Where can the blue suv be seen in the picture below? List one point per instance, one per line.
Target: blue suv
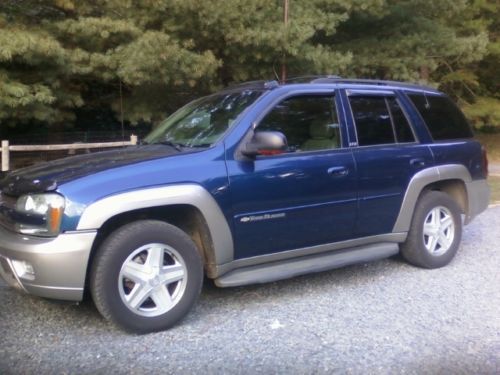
(256, 183)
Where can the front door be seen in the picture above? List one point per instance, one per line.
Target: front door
(303, 197)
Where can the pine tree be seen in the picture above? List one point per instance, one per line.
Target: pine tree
(153, 55)
(55, 55)
(450, 44)
(474, 82)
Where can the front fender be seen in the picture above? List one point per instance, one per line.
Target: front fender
(97, 213)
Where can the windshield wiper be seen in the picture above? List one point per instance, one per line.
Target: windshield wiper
(177, 146)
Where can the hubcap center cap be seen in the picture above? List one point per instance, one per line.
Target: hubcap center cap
(155, 281)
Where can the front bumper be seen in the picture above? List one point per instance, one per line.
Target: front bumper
(59, 264)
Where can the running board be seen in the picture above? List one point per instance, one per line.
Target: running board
(268, 272)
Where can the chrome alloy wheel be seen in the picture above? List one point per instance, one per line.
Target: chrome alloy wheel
(152, 279)
(439, 231)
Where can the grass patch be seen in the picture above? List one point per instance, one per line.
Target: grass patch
(492, 144)
(494, 182)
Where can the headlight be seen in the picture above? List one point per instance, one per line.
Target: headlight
(42, 214)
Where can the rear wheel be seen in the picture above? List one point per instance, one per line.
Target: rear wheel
(435, 231)
(146, 276)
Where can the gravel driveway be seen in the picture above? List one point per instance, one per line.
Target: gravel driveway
(378, 318)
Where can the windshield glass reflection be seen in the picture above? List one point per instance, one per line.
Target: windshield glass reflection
(203, 122)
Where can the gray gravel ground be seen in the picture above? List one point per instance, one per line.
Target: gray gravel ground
(383, 317)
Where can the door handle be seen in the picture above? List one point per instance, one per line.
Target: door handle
(417, 162)
(338, 171)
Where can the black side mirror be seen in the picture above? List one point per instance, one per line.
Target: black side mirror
(266, 143)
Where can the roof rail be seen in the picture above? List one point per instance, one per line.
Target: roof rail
(261, 84)
(310, 78)
(269, 85)
(373, 82)
(350, 80)
(337, 79)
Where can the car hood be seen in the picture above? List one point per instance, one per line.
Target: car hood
(48, 176)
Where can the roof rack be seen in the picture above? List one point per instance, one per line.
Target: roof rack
(269, 85)
(333, 79)
(310, 78)
(337, 79)
(260, 84)
(376, 82)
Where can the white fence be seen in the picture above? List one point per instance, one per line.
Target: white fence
(6, 148)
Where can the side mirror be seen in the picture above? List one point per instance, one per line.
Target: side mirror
(266, 143)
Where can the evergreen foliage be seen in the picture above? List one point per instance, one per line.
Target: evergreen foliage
(60, 55)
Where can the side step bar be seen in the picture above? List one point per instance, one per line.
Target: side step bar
(285, 269)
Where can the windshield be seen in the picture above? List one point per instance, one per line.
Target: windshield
(203, 122)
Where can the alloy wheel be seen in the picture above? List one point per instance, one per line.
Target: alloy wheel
(439, 231)
(152, 279)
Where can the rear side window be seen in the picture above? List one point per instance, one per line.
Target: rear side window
(379, 120)
(443, 118)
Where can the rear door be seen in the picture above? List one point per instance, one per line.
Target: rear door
(387, 154)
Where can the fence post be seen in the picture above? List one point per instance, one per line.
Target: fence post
(133, 139)
(5, 156)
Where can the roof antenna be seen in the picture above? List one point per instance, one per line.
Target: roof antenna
(276, 75)
(427, 104)
(121, 112)
(284, 72)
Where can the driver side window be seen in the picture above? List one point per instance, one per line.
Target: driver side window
(309, 122)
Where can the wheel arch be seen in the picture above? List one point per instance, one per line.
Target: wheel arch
(451, 179)
(189, 207)
(185, 217)
(455, 188)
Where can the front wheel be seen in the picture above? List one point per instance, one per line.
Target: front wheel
(435, 232)
(146, 276)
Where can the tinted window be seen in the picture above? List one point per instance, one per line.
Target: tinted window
(401, 125)
(444, 120)
(308, 122)
(373, 122)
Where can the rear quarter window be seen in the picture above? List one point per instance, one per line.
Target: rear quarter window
(442, 117)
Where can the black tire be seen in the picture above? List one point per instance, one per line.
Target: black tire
(109, 286)
(432, 204)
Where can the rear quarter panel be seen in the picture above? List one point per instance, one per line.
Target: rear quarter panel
(466, 152)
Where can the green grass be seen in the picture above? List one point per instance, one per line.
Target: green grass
(494, 182)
